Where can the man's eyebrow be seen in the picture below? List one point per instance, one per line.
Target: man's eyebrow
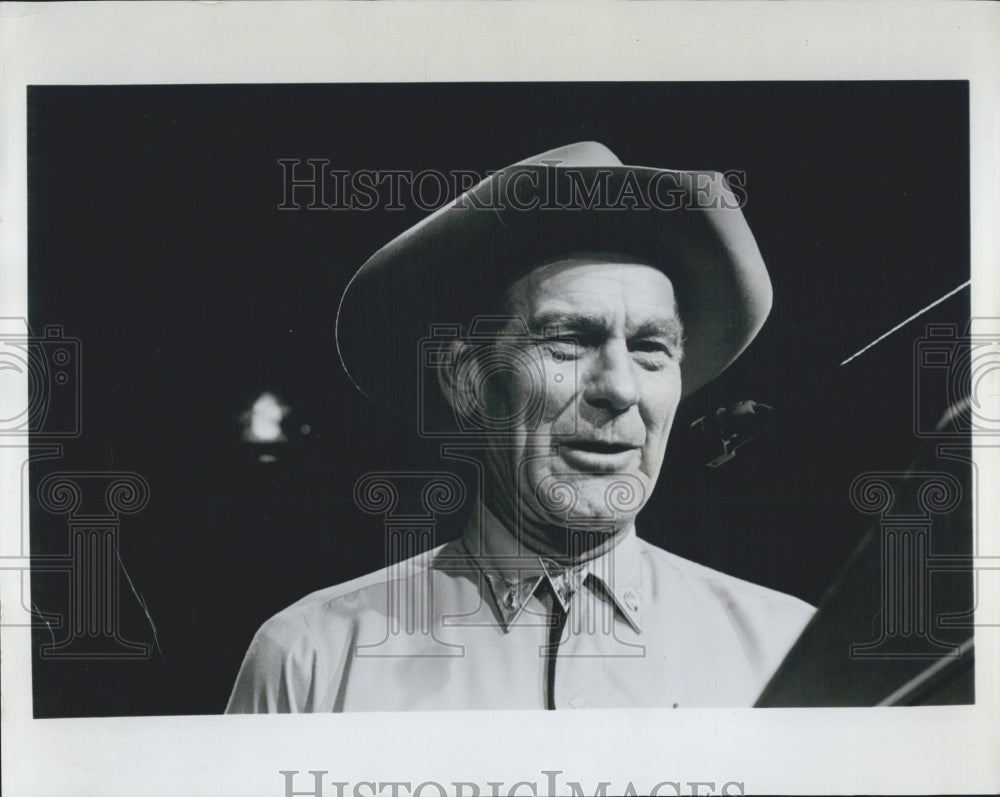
(670, 328)
(560, 322)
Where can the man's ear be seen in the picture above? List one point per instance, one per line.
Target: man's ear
(460, 378)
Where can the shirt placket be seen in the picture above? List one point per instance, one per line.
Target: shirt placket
(562, 587)
(594, 633)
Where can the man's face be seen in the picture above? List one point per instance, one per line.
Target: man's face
(606, 340)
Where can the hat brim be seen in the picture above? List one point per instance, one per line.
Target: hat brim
(459, 260)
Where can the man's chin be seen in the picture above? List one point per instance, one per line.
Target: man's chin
(604, 497)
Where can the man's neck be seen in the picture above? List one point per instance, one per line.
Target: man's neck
(567, 543)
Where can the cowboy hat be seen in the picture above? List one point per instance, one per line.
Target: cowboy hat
(580, 198)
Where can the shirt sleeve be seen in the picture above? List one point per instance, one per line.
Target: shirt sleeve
(766, 622)
(279, 673)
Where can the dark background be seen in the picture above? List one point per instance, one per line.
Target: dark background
(156, 240)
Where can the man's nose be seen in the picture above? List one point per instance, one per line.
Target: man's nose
(611, 383)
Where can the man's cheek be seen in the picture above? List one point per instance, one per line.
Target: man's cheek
(561, 407)
(526, 402)
(533, 478)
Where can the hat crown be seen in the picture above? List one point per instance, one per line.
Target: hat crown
(450, 264)
(580, 154)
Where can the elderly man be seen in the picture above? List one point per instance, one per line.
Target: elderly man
(600, 295)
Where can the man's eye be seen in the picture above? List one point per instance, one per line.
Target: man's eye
(656, 348)
(560, 348)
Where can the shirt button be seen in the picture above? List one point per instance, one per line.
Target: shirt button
(577, 702)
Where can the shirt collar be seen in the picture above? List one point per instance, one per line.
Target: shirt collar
(514, 572)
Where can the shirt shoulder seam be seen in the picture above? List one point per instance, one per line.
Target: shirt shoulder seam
(347, 589)
(699, 572)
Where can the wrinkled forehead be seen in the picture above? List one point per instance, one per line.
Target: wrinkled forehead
(593, 282)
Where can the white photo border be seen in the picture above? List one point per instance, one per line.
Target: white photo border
(907, 750)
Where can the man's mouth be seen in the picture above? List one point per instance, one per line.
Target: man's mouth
(599, 456)
(599, 446)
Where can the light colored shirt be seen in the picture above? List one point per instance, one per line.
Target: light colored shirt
(480, 623)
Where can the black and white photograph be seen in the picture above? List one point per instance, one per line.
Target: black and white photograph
(499, 402)
(492, 433)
